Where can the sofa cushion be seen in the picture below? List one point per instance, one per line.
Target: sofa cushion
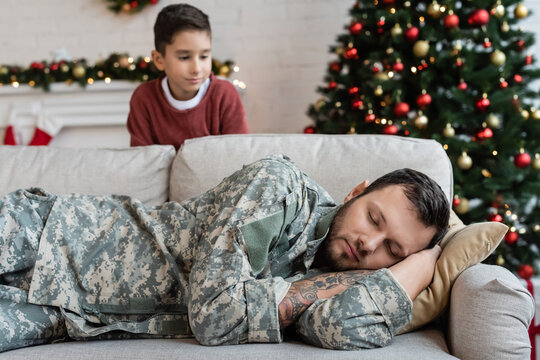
(337, 162)
(462, 247)
(424, 344)
(141, 172)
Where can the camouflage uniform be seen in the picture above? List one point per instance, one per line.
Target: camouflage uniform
(215, 266)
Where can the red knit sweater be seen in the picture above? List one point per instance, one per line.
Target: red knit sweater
(152, 120)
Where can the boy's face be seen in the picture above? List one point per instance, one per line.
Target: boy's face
(187, 62)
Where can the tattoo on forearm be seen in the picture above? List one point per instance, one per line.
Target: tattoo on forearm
(305, 292)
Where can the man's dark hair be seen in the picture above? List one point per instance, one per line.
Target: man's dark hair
(175, 18)
(424, 193)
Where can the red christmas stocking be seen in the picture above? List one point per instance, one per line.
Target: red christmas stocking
(9, 137)
(46, 129)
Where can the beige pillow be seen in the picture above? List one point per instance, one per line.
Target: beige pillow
(462, 247)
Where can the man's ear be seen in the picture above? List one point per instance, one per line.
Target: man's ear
(358, 189)
(158, 60)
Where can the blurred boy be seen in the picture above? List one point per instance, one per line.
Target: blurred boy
(188, 100)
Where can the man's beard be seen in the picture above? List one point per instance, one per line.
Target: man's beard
(327, 256)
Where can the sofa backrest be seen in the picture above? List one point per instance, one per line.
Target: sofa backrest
(141, 172)
(337, 162)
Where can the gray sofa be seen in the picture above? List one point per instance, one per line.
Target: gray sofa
(489, 311)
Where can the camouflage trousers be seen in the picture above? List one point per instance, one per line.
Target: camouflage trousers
(21, 323)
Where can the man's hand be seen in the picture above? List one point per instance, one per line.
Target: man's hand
(305, 292)
(415, 272)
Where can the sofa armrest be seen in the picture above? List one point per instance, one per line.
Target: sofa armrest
(489, 315)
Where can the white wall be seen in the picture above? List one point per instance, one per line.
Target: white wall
(281, 46)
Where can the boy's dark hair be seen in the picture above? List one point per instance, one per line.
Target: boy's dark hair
(178, 17)
(424, 193)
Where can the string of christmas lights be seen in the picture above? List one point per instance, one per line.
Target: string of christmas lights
(115, 67)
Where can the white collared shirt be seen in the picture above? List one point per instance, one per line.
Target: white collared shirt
(187, 104)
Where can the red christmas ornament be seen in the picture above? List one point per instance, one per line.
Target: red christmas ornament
(358, 104)
(134, 4)
(459, 62)
(520, 45)
(375, 69)
(335, 66)
(355, 28)
(518, 78)
(423, 101)
(351, 53)
(353, 90)
(398, 66)
(525, 271)
(511, 237)
(462, 86)
(309, 130)
(411, 33)
(456, 202)
(390, 130)
(479, 18)
(388, 2)
(503, 84)
(487, 43)
(370, 118)
(528, 60)
(484, 133)
(522, 160)
(54, 67)
(482, 104)
(495, 217)
(154, 2)
(451, 21)
(332, 85)
(401, 109)
(143, 64)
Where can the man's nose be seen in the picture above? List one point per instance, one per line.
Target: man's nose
(372, 242)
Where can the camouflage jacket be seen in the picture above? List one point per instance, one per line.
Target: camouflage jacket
(214, 266)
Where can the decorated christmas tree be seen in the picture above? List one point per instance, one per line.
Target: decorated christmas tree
(457, 71)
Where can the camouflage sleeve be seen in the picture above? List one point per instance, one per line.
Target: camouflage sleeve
(367, 315)
(232, 295)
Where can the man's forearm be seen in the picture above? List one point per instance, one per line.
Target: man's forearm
(305, 292)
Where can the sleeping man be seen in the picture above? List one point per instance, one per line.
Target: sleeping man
(265, 249)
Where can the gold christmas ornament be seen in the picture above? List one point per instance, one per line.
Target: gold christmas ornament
(421, 48)
(224, 70)
(123, 61)
(396, 30)
(462, 207)
(521, 11)
(493, 121)
(319, 104)
(449, 131)
(464, 161)
(434, 10)
(64, 68)
(536, 162)
(500, 260)
(497, 58)
(421, 121)
(126, 8)
(535, 114)
(505, 27)
(378, 90)
(498, 10)
(525, 114)
(79, 71)
(382, 75)
(339, 50)
(4, 70)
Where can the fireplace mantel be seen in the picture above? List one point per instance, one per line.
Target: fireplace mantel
(98, 108)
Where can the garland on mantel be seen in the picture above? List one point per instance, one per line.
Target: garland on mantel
(129, 6)
(115, 67)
